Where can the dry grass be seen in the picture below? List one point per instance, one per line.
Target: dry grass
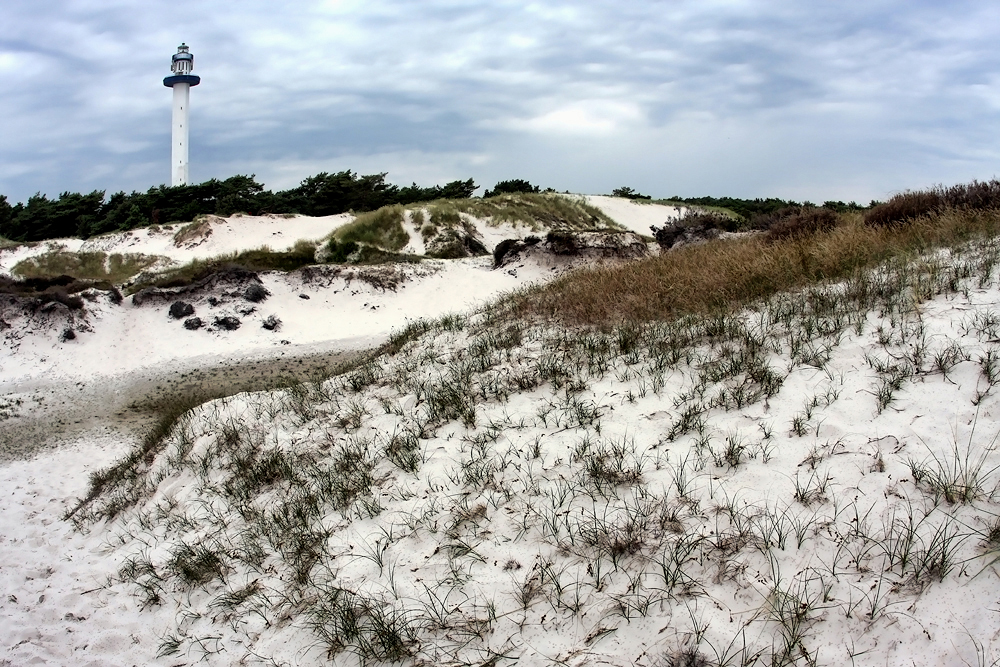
(729, 274)
(974, 196)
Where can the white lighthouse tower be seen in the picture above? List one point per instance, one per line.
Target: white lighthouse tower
(181, 81)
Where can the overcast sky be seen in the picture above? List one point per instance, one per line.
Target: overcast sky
(826, 99)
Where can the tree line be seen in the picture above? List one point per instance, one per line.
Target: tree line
(75, 214)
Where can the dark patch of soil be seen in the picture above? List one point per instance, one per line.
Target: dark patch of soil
(585, 245)
(181, 309)
(231, 276)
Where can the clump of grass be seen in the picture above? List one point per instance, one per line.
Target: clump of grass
(200, 227)
(196, 564)
(382, 228)
(344, 620)
(958, 477)
(115, 268)
(340, 251)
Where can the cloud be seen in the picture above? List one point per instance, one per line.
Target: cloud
(753, 97)
(583, 118)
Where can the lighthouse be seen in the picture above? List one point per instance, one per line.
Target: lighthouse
(181, 81)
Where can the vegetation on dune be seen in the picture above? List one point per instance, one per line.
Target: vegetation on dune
(513, 186)
(535, 210)
(382, 228)
(729, 274)
(905, 206)
(745, 210)
(114, 268)
(258, 259)
(61, 289)
(73, 214)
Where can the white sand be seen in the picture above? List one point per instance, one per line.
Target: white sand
(635, 216)
(227, 235)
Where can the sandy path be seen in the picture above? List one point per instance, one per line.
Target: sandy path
(45, 414)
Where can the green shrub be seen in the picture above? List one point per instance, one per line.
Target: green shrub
(692, 227)
(628, 193)
(512, 186)
(340, 250)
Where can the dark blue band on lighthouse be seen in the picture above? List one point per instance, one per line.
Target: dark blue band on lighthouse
(172, 81)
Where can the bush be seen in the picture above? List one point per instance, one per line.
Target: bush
(562, 242)
(692, 227)
(977, 196)
(502, 249)
(455, 243)
(85, 215)
(181, 309)
(61, 295)
(511, 187)
(795, 221)
(255, 293)
(743, 209)
(628, 193)
(340, 251)
(905, 206)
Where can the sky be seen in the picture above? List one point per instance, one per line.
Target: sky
(814, 100)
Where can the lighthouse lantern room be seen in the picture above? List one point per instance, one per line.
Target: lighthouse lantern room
(181, 81)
